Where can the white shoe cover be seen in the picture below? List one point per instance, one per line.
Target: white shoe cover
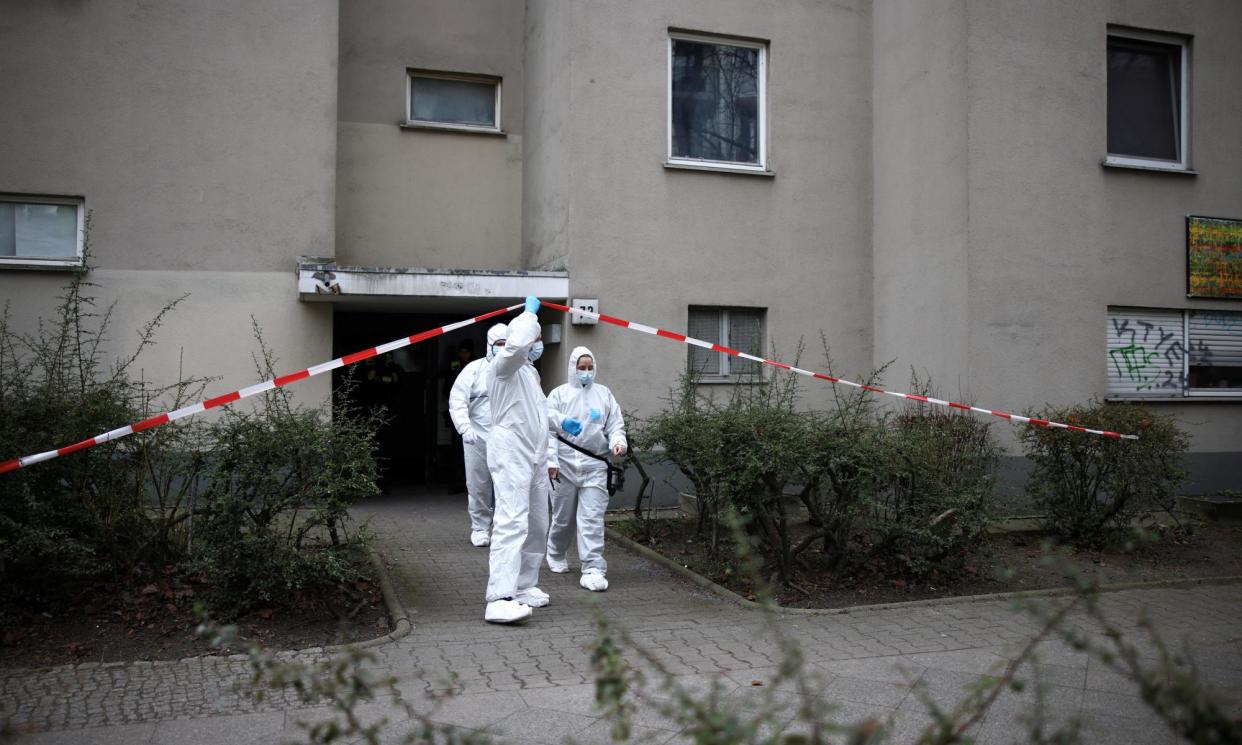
(559, 566)
(506, 611)
(593, 580)
(480, 538)
(532, 596)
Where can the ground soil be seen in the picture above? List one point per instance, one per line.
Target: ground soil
(1005, 562)
(152, 618)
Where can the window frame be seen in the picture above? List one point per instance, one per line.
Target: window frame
(41, 262)
(495, 81)
(762, 137)
(724, 374)
(1183, 120)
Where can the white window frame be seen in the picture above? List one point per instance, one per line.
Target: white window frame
(725, 361)
(38, 262)
(1183, 124)
(412, 73)
(724, 165)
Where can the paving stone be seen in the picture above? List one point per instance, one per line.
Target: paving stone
(600, 733)
(814, 676)
(540, 725)
(577, 699)
(1097, 704)
(861, 691)
(886, 669)
(945, 687)
(219, 729)
(1015, 708)
(978, 661)
(1107, 730)
(122, 735)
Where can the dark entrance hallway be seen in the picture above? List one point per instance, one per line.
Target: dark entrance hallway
(417, 444)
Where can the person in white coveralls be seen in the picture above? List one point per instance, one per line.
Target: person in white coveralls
(471, 414)
(579, 494)
(517, 457)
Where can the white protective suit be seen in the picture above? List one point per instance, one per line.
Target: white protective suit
(581, 496)
(470, 411)
(517, 458)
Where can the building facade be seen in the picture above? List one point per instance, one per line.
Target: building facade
(995, 194)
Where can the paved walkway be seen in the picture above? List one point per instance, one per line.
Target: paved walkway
(532, 684)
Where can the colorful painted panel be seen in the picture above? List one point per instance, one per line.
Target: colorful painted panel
(1214, 257)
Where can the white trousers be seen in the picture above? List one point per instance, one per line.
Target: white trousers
(519, 524)
(479, 498)
(583, 507)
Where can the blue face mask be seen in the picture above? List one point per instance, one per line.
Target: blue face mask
(585, 377)
(536, 351)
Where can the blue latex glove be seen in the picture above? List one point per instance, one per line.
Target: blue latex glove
(532, 304)
(572, 426)
(596, 415)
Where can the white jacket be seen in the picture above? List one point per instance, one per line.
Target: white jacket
(520, 417)
(603, 426)
(468, 402)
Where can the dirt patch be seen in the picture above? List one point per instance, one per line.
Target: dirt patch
(1006, 562)
(153, 619)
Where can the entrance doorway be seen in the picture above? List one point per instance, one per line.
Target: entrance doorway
(417, 443)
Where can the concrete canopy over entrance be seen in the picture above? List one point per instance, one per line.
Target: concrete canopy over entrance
(413, 289)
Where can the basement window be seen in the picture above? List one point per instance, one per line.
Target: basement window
(454, 101)
(41, 232)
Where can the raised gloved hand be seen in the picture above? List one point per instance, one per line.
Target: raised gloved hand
(532, 304)
(469, 437)
(571, 425)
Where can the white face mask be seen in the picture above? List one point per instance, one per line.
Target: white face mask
(585, 377)
(536, 351)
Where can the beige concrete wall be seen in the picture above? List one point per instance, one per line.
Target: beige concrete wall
(208, 335)
(427, 198)
(202, 135)
(1054, 237)
(649, 241)
(546, 169)
(921, 260)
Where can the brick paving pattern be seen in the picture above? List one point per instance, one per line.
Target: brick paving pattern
(532, 683)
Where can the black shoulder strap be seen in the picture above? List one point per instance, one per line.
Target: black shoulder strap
(583, 450)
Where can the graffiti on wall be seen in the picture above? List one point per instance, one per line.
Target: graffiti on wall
(1147, 353)
(1213, 257)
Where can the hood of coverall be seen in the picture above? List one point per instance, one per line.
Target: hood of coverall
(578, 352)
(494, 334)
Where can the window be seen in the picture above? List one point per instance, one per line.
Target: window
(717, 102)
(453, 101)
(41, 231)
(1148, 77)
(1173, 353)
(736, 328)
(1215, 362)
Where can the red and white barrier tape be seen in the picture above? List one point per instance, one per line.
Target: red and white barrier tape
(820, 376)
(267, 385)
(349, 359)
